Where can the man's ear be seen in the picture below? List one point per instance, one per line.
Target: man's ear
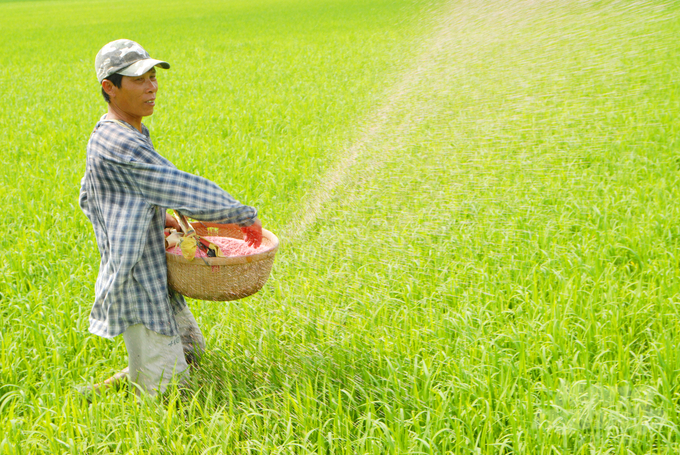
(108, 87)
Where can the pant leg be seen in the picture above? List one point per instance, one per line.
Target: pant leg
(154, 360)
(193, 342)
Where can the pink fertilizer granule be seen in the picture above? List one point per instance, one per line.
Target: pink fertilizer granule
(230, 247)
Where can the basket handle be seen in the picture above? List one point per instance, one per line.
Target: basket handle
(183, 223)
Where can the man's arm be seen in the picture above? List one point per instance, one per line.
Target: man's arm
(192, 195)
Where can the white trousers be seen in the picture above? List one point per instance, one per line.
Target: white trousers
(155, 360)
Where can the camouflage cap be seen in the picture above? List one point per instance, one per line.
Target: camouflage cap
(124, 57)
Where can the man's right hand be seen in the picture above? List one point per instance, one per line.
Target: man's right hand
(253, 234)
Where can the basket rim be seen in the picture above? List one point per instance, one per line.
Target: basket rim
(233, 259)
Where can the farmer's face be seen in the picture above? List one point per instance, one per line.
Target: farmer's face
(136, 96)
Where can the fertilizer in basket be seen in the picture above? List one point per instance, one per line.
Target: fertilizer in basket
(230, 247)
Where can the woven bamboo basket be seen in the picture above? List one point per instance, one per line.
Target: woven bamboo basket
(221, 279)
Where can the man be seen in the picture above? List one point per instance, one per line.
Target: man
(125, 192)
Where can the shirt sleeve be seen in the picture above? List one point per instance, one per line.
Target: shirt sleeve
(192, 195)
(82, 199)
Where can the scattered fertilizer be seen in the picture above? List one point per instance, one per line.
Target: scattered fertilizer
(230, 247)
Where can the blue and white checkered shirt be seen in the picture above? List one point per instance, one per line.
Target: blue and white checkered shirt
(126, 188)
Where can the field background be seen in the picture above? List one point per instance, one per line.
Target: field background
(478, 208)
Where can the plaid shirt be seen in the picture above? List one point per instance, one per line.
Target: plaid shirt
(124, 193)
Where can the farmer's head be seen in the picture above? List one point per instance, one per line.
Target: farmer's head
(127, 75)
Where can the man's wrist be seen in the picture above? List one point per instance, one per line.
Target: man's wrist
(249, 222)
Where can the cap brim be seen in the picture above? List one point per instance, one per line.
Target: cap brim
(141, 67)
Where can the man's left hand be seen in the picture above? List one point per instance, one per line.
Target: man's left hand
(171, 222)
(253, 234)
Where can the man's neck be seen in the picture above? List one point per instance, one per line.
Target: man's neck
(117, 114)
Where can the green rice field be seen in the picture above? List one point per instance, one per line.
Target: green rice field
(478, 203)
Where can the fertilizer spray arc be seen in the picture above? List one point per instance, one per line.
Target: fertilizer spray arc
(385, 130)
